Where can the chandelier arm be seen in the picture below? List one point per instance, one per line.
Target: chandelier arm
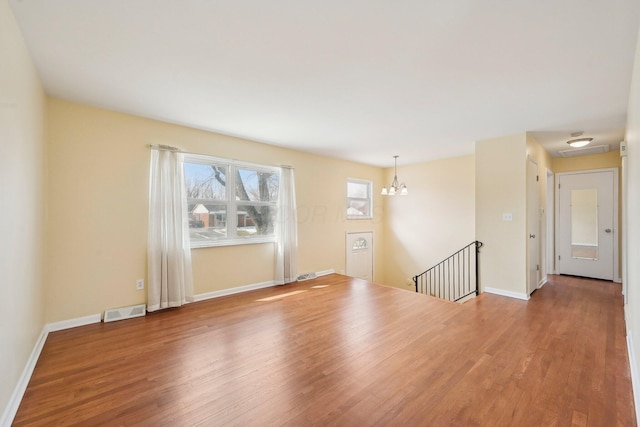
(395, 185)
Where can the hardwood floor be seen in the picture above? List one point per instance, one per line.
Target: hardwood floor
(340, 351)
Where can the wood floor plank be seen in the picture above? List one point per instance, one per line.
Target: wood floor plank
(341, 351)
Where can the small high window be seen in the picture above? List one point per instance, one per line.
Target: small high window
(359, 200)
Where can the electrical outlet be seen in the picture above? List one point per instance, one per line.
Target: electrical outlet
(140, 284)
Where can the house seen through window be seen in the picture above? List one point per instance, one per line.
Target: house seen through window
(230, 202)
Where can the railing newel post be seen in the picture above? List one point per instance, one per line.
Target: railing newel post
(477, 245)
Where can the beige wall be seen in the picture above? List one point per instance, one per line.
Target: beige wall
(436, 219)
(632, 206)
(501, 188)
(98, 196)
(592, 161)
(22, 205)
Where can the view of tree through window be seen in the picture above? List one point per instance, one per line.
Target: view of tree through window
(229, 201)
(254, 186)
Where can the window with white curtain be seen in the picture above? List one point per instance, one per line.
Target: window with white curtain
(230, 202)
(359, 200)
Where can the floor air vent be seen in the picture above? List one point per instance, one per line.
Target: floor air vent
(124, 313)
(306, 276)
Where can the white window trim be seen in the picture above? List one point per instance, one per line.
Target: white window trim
(368, 199)
(232, 238)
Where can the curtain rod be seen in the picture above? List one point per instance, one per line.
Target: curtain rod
(165, 148)
(178, 150)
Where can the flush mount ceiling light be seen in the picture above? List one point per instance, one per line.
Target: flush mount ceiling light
(395, 187)
(580, 142)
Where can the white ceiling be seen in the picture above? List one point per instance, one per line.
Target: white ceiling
(355, 79)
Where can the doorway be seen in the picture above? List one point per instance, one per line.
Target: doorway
(587, 219)
(360, 255)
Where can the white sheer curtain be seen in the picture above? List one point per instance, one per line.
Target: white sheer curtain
(170, 281)
(286, 230)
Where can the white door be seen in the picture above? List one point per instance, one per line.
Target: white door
(360, 255)
(586, 224)
(533, 226)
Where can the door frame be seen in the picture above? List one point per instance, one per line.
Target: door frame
(550, 259)
(616, 232)
(533, 185)
(373, 254)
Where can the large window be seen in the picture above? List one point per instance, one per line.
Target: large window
(230, 202)
(359, 200)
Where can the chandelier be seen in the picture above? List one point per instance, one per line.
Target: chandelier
(395, 187)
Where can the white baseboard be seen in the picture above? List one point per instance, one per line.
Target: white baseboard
(325, 272)
(16, 397)
(246, 288)
(72, 323)
(231, 291)
(509, 294)
(542, 282)
(635, 384)
(18, 392)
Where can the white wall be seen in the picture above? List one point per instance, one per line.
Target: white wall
(632, 205)
(22, 204)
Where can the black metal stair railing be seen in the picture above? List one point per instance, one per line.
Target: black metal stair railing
(454, 278)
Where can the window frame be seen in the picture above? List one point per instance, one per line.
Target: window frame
(231, 203)
(368, 199)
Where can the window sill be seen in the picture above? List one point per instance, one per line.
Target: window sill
(232, 242)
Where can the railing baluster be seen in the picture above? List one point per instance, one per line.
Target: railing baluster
(447, 282)
(478, 245)
(461, 286)
(452, 277)
(461, 275)
(469, 271)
